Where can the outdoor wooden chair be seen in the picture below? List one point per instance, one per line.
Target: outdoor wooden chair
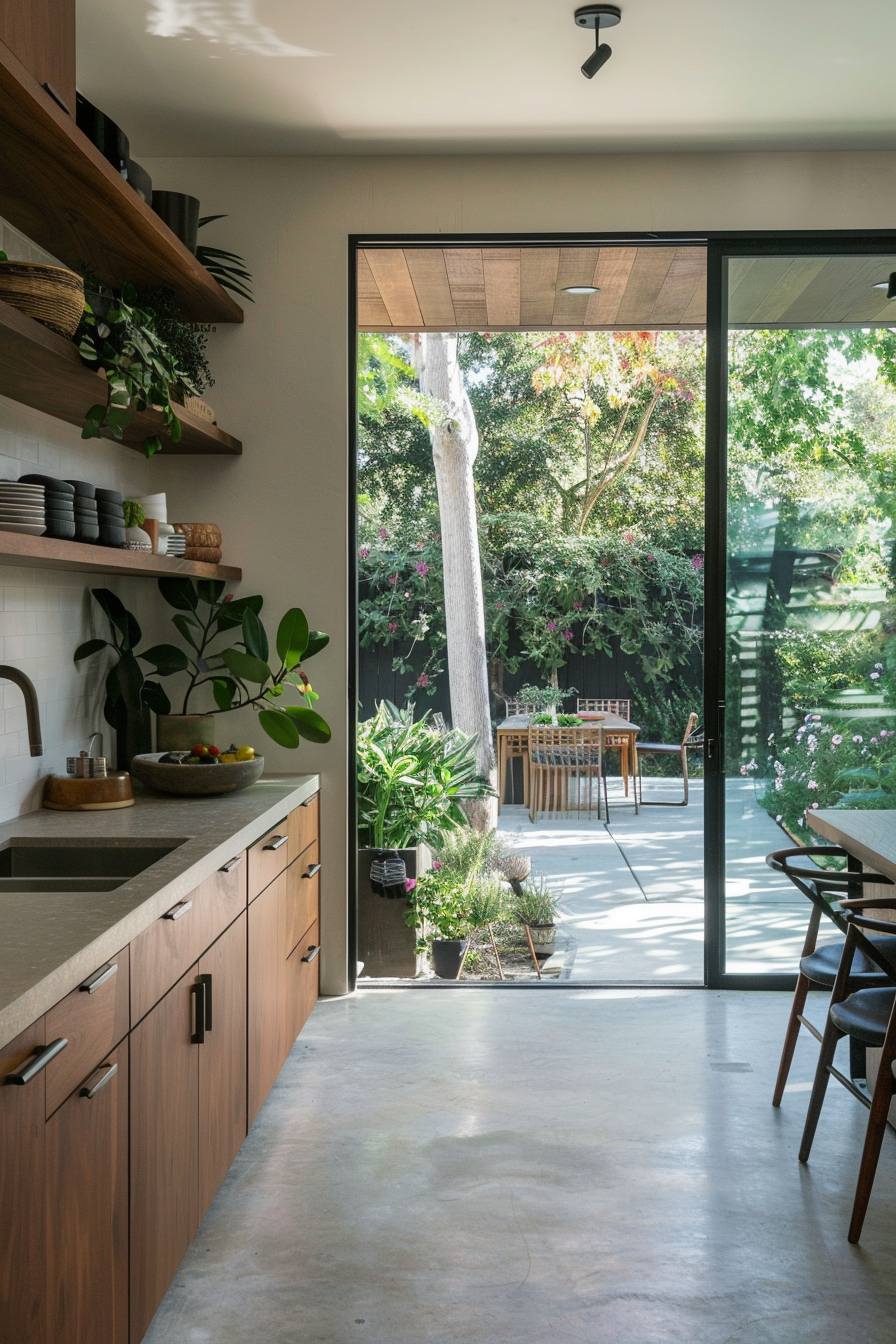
(620, 742)
(513, 746)
(819, 965)
(513, 707)
(564, 765)
(691, 741)
(868, 1016)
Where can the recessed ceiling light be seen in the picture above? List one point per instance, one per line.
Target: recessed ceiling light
(581, 289)
(888, 285)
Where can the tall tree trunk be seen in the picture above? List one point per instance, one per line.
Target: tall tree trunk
(455, 443)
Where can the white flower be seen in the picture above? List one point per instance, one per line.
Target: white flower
(811, 784)
(875, 676)
(858, 739)
(836, 740)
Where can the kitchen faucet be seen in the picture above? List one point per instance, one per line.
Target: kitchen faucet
(26, 685)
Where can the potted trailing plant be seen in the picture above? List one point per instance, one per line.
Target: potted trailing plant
(412, 779)
(240, 672)
(139, 368)
(130, 698)
(458, 895)
(228, 268)
(535, 906)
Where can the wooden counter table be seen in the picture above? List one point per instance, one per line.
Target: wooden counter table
(869, 836)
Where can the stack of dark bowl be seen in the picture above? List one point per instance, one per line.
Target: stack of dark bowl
(87, 526)
(110, 515)
(59, 505)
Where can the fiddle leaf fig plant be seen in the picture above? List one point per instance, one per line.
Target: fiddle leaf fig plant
(240, 672)
(140, 370)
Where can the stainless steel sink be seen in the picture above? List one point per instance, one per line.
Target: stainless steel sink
(76, 865)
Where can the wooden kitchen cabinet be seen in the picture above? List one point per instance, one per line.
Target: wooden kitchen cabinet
(86, 1206)
(302, 895)
(222, 1060)
(164, 1148)
(22, 1171)
(267, 858)
(41, 33)
(268, 1047)
(188, 1113)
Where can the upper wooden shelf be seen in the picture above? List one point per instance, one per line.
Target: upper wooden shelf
(59, 190)
(44, 370)
(48, 553)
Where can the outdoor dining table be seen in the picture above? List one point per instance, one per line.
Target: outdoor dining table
(513, 741)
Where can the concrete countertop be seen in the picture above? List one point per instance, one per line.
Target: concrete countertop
(51, 942)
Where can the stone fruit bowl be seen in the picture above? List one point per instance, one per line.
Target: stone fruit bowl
(195, 781)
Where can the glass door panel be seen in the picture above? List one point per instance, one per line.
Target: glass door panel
(811, 489)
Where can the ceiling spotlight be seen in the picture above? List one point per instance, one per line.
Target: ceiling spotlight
(888, 285)
(581, 289)
(597, 17)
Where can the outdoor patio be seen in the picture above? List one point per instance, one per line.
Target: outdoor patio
(631, 892)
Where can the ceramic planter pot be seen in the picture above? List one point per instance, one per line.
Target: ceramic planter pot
(543, 937)
(386, 944)
(181, 213)
(180, 732)
(448, 957)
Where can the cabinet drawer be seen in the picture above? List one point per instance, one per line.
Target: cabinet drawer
(302, 895)
(302, 826)
(267, 859)
(93, 1018)
(163, 952)
(303, 982)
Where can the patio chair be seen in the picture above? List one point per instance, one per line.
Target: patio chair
(691, 741)
(513, 707)
(513, 746)
(558, 758)
(620, 743)
(868, 1016)
(819, 965)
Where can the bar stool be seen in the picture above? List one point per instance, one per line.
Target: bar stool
(819, 965)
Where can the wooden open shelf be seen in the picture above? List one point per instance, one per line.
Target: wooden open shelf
(44, 370)
(59, 190)
(47, 553)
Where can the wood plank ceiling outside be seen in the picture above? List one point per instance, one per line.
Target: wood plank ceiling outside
(640, 288)
(522, 288)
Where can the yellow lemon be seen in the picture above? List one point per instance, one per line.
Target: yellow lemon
(245, 753)
(228, 758)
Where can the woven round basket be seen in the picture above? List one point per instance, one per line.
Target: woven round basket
(50, 294)
(199, 407)
(206, 535)
(209, 555)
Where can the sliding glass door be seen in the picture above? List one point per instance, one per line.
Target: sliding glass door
(801, 491)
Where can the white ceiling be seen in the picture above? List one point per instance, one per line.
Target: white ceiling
(318, 76)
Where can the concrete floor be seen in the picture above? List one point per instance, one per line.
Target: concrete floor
(525, 1166)
(632, 890)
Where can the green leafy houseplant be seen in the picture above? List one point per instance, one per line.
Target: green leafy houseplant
(241, 673)
(129, 696)
(228, 268)
(412, 778)
(185, 341)
(534, 904)
(140, 370)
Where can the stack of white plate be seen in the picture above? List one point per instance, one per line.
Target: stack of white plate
(177, 544)
(22, 508)
(155, 506)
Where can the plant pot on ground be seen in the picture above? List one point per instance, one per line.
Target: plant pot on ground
(412, 777)
(535, 906)
(448, 957)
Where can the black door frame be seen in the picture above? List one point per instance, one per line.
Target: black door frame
(720, 246)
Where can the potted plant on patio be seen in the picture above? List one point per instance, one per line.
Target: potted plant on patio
(536, 906)
(459, 894)
(412, 780)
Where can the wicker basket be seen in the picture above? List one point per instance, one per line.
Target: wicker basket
(206, 535)
(196, 406)
(209, 555)
(50, 294)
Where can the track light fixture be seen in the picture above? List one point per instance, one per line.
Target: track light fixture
(581, 289)
(597, 17)
(888, 285)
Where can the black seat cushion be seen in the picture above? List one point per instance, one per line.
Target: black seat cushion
(821, 965)
(865, 1014)
(667, 747)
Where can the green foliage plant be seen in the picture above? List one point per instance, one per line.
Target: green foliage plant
(129, 695)
(241, 673)
(460, 892)
(535, 904)
(134, 513)
(412, 779)
(185, 341)
(228, 268)
(140, 370)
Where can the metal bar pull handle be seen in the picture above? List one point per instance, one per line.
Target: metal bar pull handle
(36, 1065)
(99, 978)
(104, 1074)
(179, 910)
(197, 995)
(231, 864)
(312, 952)
(312, 871)
(276, 841)
(206, 980)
